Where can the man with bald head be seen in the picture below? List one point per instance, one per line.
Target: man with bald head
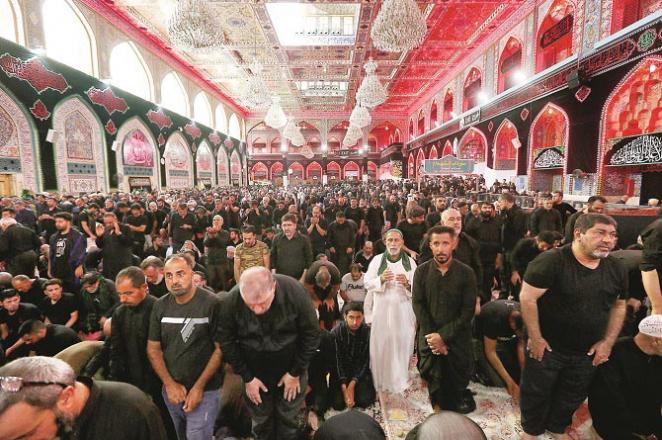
(269, 333)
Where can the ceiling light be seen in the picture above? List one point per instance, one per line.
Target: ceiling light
(453, 115)
(519, 76)
(360, 116)
(372, 92)
(256, 94)
(325, 147)
(652, 68)
(482, 97)
(399, 26)
(275, 117)
(193, 26)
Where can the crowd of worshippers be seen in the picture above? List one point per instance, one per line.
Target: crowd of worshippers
(252, 312)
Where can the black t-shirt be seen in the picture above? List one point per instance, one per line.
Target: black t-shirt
(137, 221)
(158, 290)
(413, 234)
(493, 319)
(187, 333)
(60, 312)
(58, 337)
(35, 294)
(574, 311)
(24, 313)
(355, 214)
(392, 210)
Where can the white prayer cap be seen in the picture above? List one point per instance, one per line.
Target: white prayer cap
(651, 326)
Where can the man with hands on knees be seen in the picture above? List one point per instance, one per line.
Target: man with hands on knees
(573, 305)
(268, 333)
(183, 351)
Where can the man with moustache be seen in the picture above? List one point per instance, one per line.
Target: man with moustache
(573, 305)
(40, 398)
(443, 297)
(487, 231)
(183, 351)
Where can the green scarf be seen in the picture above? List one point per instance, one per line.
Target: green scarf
(403, 256)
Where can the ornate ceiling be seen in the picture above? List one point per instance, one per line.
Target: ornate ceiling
(456, 28)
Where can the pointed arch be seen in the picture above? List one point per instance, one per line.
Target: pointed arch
(234, 128)
(473, 145)
(448, 149)
(420, 157)
(397, 137)
(434, 113)
(11, 21)
(68, 36)
(433, 153)
(258, 146)
(506, 143)
(276, 171)
(633, 108)
(510, 63)
(351, 171)
(137, 156)
(221, 119)
(554, 41)
(411, 167)
(275, 145)
(202, 110)
(178, 162)
(259, 172)
(372, 170)
(295, 171)
(411, 129)
(222, 166)
(19, 143)
(472, 86)
(421, 123)
(333, 170)
(80, 147)
(129, 71)
(204, 164)
(548, 137)
(173, 94)
(235, 168)
(447, 113)
(314, 171)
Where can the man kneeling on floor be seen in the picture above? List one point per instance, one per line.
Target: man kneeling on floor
(352, 382)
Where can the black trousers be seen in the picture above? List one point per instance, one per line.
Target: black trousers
(218, 276)
(276, 418)
(552, 389)
(364, 393)
(507, 352)
(321, 365)
(489, 272)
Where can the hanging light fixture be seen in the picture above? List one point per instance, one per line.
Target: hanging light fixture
(360, 116)
(193, 26)
(275, 117)
(352, 136)
(256, 94)
(372, 92)
(292, 132)
(399, 26)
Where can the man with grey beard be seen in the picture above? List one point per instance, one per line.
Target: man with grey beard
(40, 398)
(183, 351)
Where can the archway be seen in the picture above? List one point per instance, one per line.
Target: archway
(433, 153)
(411, 129)
(222, 168)
(631, 138)
(626, 12)
(295, 173)
(397, 138)
(548, 144)
(510, 63)
(129, 71)
(314, 172)
(234, 127)
(473, 145)
(447, 114)
(178, 162)
(235, 169)
(18, 146)
(506, 143)
(420, 157)
(277, 173)
(204, 161)
(382, 136)
(351, 171)
(335, 136)
(333, 171)
(421, 123)
(433, 114)
(372, 170)
(554, 43)
(275, 145)
(259, 146)
(472, 85)
(260, 172)
(411, 167)
(11, 21)
(173, 94)
(80, 147)
(137, 157)
(448, 149)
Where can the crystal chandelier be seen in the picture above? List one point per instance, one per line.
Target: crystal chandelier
(293, 133)
(256, 94)
(360, 116)
(275, 117)
(372, 92)
(192, 26)
(399, 26)
(352, 136)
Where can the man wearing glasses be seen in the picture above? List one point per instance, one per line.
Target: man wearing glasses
(40, 398)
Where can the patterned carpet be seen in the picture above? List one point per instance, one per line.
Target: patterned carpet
(495, 412)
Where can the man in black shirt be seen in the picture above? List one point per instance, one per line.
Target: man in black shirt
(31, 290)
(500, 325)
(651, 265)
(12, 314)
(413, 229)
(392, 210)
(116, 241)
(183, 351)
(444, 296)
(595, 204)
(87, 219)
(47, 218)
(137, 223)
(565, 209)
(180, 228)
(67, 253)
(269, 334)
(351, 380)
(291, 253)
(18, 247)
(526, 250)
(317, 228)
(49, 402)
(365, 256)
(487, 231)
(375, 220)
(216, 242)
(513, 229)
(355, 213)
(573, 304)
(46, 339)
(153, 269)
(434, 217)
(278, 213)
(545, 218)
(58, 307)
(341, 241)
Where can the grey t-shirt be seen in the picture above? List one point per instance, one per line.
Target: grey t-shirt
(355, 289)
(187, 333)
